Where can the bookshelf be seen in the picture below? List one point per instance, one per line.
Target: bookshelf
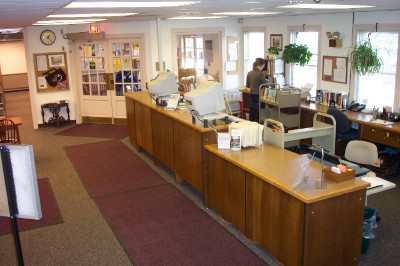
(282, 105)
(2, 98)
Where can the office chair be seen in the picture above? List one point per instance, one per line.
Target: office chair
(8, 132)
(344, 131)
(361, 152)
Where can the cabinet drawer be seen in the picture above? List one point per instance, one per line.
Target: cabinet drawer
(381, 135)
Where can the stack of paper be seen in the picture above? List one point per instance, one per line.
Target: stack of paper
(251, 133)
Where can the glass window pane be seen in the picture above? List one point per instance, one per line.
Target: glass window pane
(384, 82)
(308, 73)
(251, 51)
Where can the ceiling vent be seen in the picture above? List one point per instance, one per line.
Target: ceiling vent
(11, 37)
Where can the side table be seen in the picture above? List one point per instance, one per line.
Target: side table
(54, 109)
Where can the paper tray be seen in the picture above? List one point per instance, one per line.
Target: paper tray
(350, 174)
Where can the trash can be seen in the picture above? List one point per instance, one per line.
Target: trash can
(368, 228)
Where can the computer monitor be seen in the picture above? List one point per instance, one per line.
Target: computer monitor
(164, 84)
(207, 98)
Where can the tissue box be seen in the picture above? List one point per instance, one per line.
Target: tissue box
(344, 176)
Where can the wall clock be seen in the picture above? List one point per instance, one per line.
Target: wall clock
(48, 37)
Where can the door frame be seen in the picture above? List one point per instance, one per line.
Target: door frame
(75, 60)
(220, 33)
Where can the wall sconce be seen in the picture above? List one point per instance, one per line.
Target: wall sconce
(334, 40)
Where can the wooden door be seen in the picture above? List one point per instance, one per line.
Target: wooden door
(125, 66)
(108, 69)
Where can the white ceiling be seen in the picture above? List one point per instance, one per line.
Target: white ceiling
(21, 13)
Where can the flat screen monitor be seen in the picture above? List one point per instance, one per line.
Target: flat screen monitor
(164, 84)
(207, 98)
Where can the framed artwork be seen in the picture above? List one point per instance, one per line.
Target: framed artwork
(276, 40)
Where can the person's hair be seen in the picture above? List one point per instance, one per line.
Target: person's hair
(259, 62)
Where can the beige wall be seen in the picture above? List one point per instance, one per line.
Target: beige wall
(12, 57)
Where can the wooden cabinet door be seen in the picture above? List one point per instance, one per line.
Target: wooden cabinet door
(163, 139)
(143, 127)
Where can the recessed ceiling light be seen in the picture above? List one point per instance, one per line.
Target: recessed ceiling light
(324, 6)
(128, 4)
(190, 17)
(66, 22)
(91, 15)
(245, 13)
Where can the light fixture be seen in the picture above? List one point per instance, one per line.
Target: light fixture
(194, 17)
(66, 22)
(324, 6)
(246, 13)
(110, 4)
(91, 15)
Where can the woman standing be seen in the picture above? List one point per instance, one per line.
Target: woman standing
(253, 81)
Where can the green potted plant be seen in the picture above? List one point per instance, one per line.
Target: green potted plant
(296, 54)
(364, 59)
(273, 51)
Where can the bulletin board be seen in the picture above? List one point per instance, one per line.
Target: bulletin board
(232, 43)
(51, 71)
(334, 68)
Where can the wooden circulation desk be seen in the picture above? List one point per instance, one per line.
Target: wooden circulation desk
(387, 135)
(304, 226)
(169, 136)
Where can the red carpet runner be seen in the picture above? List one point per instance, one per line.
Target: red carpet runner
(50, 212)
(155, 223)
(97, 131)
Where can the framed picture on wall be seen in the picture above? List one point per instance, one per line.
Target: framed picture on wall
(276, 40)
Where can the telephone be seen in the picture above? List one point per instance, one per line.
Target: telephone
(356, 107)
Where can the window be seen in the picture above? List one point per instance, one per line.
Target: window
(253, 45)
(299, 76)
(379, 89)
(193, 53)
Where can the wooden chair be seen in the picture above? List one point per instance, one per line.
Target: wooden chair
(9, 132)
(187, 79)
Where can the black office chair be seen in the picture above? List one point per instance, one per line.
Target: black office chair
(344, 131)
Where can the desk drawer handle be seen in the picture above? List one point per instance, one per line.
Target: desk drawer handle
(387, 134)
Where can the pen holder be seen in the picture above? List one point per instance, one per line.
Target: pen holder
(344, 176)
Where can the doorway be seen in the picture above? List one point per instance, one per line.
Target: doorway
(108, 69)
(200, 49)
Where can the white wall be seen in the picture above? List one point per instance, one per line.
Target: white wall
(341, 22)
(33, 45)
(12, 57)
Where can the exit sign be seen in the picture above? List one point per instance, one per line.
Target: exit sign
(94, 28)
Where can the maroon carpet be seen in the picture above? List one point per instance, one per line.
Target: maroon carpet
(155, 223)
(97, 130)
(109, 167)
(160, 226)
(50, 212)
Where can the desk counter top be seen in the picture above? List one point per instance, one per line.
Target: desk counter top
(359, 117)
(183, 116)
(279, 167)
